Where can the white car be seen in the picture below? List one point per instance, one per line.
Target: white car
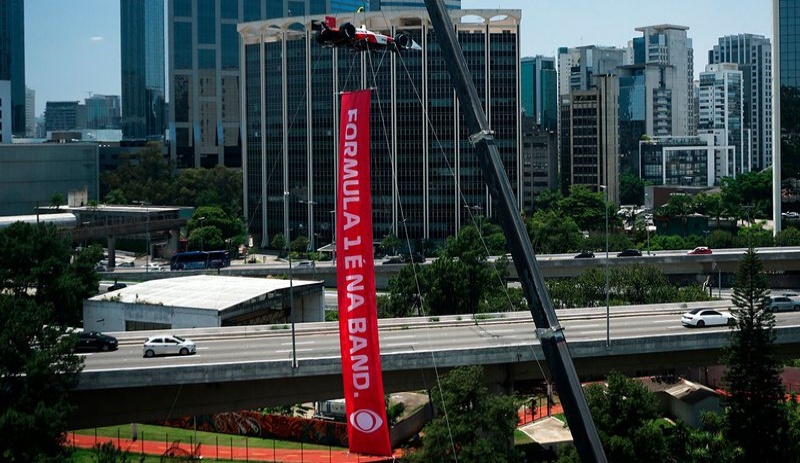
(167, 344)
(707, 317)
(154, 267)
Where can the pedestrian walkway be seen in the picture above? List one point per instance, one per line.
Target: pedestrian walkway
(233, 453)
(526, 416)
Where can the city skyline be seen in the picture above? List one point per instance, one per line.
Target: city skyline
(84, 58)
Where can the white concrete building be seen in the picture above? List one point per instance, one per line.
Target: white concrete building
(205, 301)
(721, 115)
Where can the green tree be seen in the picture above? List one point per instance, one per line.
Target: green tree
(548, 200)
(206, 238)
(788, 237)
(116, 196)
(679, 205)
(471, 425)
(219, 186)
(711, 205)
(278, 242)
(37, 263)
(756, 414)
(300, 244)
(57, 200)
(552, 233)
(37, 369)
(631, 189)
(625, 413)
(390, 244)
(144, 176)
(753, 189)
(229, 229)
(586, 207)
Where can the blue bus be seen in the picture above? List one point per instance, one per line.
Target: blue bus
(199, 260)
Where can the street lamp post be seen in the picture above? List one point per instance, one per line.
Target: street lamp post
(311, 204)
(608, 308)
(201, 219)
(291, 310)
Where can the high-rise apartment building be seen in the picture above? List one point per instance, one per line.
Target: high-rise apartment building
(786, 98)
(667, 57)
(539, 88)
(577, 66)
(721, 114)
(425, 178)
(12, 59)
(539, 152)
(753, 55)
(30, 112)
(142, 56)
(589, 137)
(204, 122)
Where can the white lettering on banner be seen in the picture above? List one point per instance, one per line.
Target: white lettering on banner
(360, 362)
(351, 220)
(353, 262)
(355, 283)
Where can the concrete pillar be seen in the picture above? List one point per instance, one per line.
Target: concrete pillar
(172, 243)
(112, 252)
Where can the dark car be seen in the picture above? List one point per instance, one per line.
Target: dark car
(116, 286)
(585, 255)
(95, 341)
(629, 253)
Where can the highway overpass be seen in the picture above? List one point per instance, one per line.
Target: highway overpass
(250, 367)
(781, 264)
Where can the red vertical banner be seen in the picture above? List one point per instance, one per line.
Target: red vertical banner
(367, 431)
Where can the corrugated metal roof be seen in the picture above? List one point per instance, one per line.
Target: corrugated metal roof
(200, 291)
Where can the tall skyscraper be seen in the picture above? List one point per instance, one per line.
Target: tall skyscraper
(721, 114)
(786, 98)
(30, 112)
(142, 56)
(204, 123)
(666, 53)
(753, 55)
(12, 59)
(539, 88)
(576, 66)
(589, 137)
(426, 181)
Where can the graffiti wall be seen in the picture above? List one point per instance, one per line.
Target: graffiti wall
(256, 424)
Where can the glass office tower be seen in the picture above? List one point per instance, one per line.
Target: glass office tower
(142, 56)
(426, 182)
(12, 59)
(786, 106)
(205, 127)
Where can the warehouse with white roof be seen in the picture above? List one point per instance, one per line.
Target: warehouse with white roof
(204, 301)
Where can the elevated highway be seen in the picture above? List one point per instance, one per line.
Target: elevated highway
(249, 367)
(777, 262)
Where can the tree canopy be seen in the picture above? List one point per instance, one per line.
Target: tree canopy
(37, 263)
(756, 413)
(470, 424)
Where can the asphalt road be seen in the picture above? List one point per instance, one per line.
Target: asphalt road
(321, 340)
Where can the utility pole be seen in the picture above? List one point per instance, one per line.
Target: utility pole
(549, 331)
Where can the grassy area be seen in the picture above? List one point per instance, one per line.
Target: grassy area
(521, 438)
(88, 456)
(208, 439)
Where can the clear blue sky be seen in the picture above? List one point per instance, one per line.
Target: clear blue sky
(73, 47)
